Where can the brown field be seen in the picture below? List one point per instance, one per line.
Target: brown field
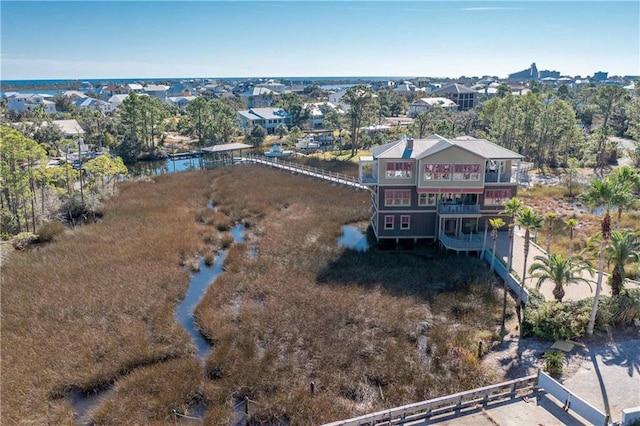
(96, 307)
(98, 303)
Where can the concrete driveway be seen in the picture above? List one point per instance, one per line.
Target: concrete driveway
(609, 377)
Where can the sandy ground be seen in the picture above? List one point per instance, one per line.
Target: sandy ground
(612, 356)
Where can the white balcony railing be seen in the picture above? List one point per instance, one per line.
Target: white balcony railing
(459, 209)
(465, 242)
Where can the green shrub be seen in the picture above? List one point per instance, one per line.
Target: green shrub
(49, 230)
(554, 320)
(553, 363)
(624, 308)
(23, 239)
(536, 298)
(8, 223)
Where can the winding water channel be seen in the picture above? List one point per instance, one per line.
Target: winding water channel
(200, 282)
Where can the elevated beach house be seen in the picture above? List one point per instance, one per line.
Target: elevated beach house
(438, 188)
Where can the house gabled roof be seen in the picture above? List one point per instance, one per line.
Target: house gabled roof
(485, 148)
(74, 94)
(86, 102)
(258, 91)
(435, 143)
(454, 88)
(264, 113)
(118, 98)
(69, 127)
(156, 88)
(442, 102)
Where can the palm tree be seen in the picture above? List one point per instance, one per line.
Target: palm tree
(571, 224)
(512, 208)
(496, 224)
(561, 271)
(549, 220)
(626, 174)
(627, 181)
(603, 192)
(623, 248)
(530, 221)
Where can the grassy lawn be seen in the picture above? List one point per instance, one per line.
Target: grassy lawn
(371, 330)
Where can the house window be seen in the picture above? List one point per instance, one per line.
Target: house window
(397, 197)
(496, 197)
(466, 172)
(426, 199)
(437, 172)
(398, 170)
(405, 221)
(388, 222)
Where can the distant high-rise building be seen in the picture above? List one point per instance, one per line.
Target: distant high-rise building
(530, 73)
(546, 74)
(600, 76)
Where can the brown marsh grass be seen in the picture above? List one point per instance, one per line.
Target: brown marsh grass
(99, 302)
(97, 307)
(307, 311)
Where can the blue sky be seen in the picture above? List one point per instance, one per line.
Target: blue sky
(154, 39)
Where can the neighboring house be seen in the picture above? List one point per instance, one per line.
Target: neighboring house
(157, 91)
(437, 188)
(384, 84)
(135, 87)
(268, 118)
(295, 88)
(258, 97)
(336, 99)
(74, 94)
(407, 88)
(181, 89)
(421, 82)
(488, 91)
(116, 101)
(106, 92)
(70, 128)
(93, 104)
(427, 104)
(180, 101)
(316, 116)
(272, 85)
(30, 102)
(213, 90)
(463, 96)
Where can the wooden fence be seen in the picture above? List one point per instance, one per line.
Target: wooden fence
(446, 404)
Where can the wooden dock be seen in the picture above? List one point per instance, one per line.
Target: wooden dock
(327, 175)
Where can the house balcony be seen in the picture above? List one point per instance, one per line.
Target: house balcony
(464, 242)
(494, 177)
(459, 209)
(368, 171)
